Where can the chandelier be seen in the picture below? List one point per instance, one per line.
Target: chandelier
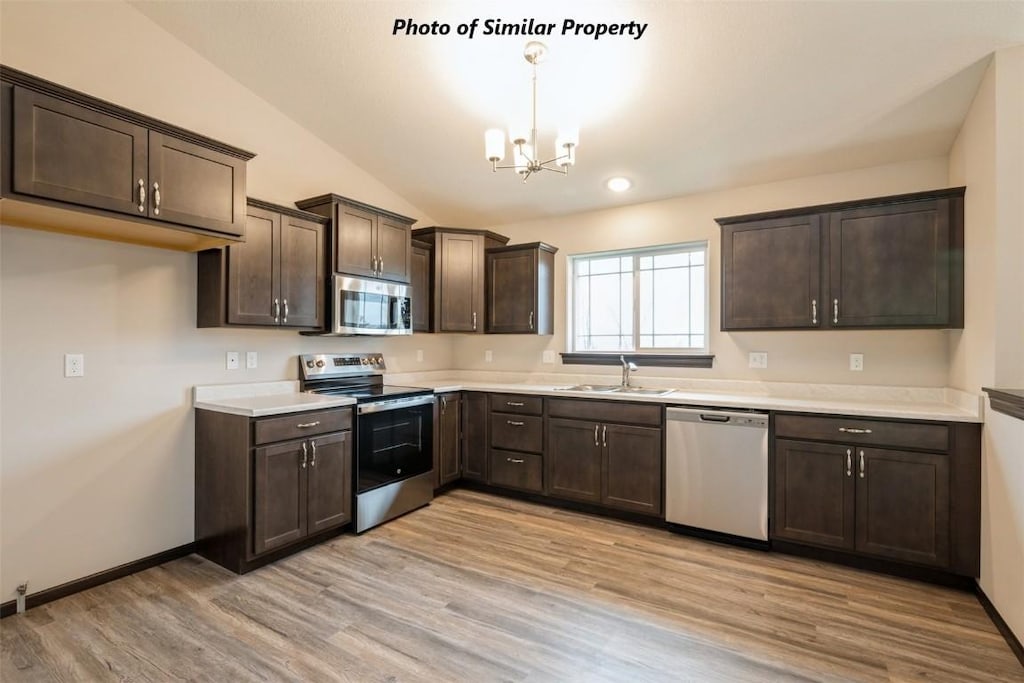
(526, 160)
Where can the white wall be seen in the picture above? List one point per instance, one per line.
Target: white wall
(988, 156)
(908, 357)
(98, 471)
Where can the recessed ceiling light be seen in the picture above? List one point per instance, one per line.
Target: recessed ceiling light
(619, 184)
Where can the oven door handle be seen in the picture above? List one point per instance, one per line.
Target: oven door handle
(394, 404)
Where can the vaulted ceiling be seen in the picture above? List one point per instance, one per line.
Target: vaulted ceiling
(713, 95)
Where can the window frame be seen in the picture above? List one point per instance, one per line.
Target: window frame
(637, 253)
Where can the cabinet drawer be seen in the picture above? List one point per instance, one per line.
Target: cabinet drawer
(516, 470)
(857, 430)
(299, 425)
(606, 411)
(517, 432)
(512, 403)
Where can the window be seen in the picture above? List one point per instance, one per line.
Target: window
(652, 300)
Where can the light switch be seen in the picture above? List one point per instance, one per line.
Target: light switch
(232, 360)
(251, 360)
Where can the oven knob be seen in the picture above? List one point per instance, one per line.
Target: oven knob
(309, 363)
(379, 360)
(364, 361)
(320, 363)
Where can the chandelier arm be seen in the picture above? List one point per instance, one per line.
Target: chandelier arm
(562, 171)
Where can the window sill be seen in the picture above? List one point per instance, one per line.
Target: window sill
(659, 360)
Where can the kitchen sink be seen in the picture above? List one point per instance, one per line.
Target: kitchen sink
(597, 388)
(642, 391)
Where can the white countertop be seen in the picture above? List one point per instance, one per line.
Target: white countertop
(260, 399)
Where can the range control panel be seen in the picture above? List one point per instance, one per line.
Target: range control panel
(324, 365)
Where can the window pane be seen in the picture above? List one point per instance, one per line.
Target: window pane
(646, 304)
(697, 301)
(646, 262)
(582, 267)
(671, 301)
(604, 265)
(671, 260)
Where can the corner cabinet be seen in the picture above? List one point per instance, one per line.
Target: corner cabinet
(890, 262)
(365, 241)
(903, 491)
(274, 279)
(74, 163)
(266, 487)
(520, 289)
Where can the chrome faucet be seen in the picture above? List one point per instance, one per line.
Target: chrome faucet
(627, 367)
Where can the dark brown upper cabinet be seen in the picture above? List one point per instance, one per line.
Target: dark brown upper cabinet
(275, 278)
(419, 280)
(81, 165)
(520, 289)
(889, 262)
(457, 297)
(364, 241)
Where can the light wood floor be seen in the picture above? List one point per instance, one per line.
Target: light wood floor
(481, 588)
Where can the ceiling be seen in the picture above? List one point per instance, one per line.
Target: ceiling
(714, 94)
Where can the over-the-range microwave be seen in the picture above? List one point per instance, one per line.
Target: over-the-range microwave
(366, 306)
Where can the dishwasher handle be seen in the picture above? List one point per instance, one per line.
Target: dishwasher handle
(731, 418)
(704, 417)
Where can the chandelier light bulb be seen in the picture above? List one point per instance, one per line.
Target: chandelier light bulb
(523, 155)
(565, 152)
(494, 144)
(518, 134)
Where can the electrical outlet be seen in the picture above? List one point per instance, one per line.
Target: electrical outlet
(857, 361)
(488, 356)
(758, 360)
(251, 360)
(74, 365)
(419, 355)
(548, 356)
(231, 360)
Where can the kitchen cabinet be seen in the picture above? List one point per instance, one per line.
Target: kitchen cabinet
(365, 241)
(516, 434)
(888, 262)
(520, 289)
(457, 291)
(447, 462)
(902, 491)
(71, 152)
(601, 460)
(474, 436)
(275, 278)
(266, 487)
(419, 280)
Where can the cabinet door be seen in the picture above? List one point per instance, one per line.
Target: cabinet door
(253, 271)
(355, 241)
(890, 265)
(279, 496)
(302, 272)
(460, 294)
(903, 505)
(72, 154)
(814, 493)
(449, 435)
(393, 249)
(474, 436)
(573, 460)
(771, 274)
(329, 503)
(419, 278)
(512, 291)
(632, 468)
(195, 186)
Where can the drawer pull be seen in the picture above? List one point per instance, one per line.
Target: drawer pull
(854, 430)
(306, 425)
(515, 461)
(517, 404)
(515, 423)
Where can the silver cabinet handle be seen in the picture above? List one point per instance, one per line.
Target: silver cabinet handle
(515, 461)
(373, 264)
(285, 318)
(156, 198)
(835, 311)
(444, 403)
(305, 455)
(277, 310)
(604, 435)
(142, 195)
(861, 467)
(518, 404)
(531, 320)
(514, 423)
(814, 311)
(849, 462)
(307, 425)
(596, 427)
(854, 430)
(380, 265)
(474, 321)
(312, 445)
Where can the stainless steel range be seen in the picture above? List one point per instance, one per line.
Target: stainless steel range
(394, 433)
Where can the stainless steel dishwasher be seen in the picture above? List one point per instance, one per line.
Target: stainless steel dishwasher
(716, 471)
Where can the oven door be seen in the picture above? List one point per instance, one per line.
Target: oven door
(363, 306)
(394, 441)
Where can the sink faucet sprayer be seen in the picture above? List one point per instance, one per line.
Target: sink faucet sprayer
(627, 367)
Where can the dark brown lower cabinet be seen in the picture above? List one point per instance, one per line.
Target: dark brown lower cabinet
(574, 459)
(814, 493)
(474, 436)
(447, 467)
(263, 485)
